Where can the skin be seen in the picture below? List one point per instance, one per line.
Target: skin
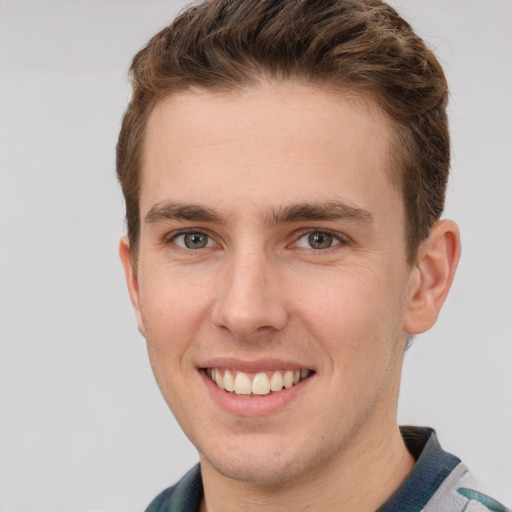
(259, 290)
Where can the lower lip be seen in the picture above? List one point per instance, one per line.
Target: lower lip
(243, 405)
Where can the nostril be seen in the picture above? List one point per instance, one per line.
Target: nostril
(250, 323)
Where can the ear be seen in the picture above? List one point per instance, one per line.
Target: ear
(432, 276)
(132, 280)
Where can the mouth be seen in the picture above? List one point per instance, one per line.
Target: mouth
(258, 384)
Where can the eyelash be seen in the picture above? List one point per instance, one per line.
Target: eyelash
(172, 238)
(337, 237)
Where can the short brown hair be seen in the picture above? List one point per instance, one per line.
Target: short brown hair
(361, 45)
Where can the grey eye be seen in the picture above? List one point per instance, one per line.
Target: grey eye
(317, 240)
(193, 240)
(320, 240)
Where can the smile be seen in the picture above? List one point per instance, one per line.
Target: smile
(257, 384)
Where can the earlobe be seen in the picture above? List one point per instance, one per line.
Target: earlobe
(432, 276)
(132, 280)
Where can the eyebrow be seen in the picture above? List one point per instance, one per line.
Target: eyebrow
(301, 212)
(178, 211)
(330, 210)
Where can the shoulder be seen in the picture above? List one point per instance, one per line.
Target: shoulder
(439, 482)
(459, 493)
(184, 496)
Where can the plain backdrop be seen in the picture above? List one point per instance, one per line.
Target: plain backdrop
(82, 423)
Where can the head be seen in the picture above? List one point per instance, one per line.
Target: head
(284, 166)
(346, 45)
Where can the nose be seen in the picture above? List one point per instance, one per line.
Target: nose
(250, 302)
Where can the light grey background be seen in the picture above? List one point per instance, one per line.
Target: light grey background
(82, 424)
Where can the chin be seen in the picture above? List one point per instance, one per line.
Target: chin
(265, 466)
(259, 473)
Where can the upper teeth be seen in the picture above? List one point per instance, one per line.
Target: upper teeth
(261, 383)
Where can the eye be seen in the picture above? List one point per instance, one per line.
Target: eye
(193, 240)
(317, 240)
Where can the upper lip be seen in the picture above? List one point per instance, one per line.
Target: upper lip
(254, 366)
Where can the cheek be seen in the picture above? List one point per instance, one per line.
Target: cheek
(170, 299)
(355, 319)
(172, 311)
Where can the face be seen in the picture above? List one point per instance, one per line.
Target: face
(272, 284)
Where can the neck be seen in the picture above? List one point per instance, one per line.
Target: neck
(361, 478)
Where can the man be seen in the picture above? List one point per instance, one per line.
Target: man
(284, 165)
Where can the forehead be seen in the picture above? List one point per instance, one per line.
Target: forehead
(273, 144)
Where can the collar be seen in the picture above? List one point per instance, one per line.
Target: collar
(432, 467)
